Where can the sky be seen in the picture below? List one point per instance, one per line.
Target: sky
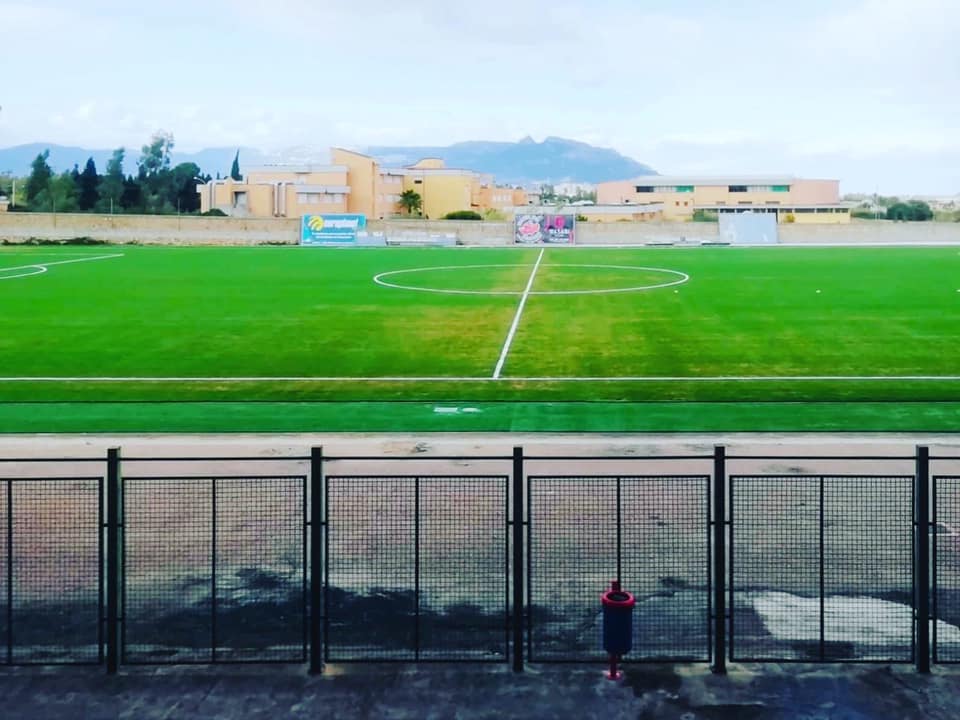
(867, 91)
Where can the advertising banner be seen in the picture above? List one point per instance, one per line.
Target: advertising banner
(539, 228)
(331, 229)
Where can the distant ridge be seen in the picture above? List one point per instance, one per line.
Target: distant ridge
(523, 163)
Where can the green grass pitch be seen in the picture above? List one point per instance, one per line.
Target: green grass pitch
(733, 338)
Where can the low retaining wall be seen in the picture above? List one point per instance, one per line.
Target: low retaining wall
(193, 230)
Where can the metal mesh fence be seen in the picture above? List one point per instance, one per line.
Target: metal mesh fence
(416, 568)
(51, 567)
(260, 569)
(651, 532)
(946, 564)
(214, 570)
(821, 568)
(6, 580)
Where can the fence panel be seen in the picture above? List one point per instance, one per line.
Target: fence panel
(214, 569)
(52, 571)
(946, 569)
(416, 568)
(651, 532)
(821, 568)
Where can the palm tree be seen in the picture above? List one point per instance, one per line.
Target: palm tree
(411, 201)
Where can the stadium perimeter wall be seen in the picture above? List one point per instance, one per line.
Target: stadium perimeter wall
(193, 230)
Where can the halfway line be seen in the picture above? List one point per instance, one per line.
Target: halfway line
(516, 318)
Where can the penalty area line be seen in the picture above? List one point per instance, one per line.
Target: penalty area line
(61, 262)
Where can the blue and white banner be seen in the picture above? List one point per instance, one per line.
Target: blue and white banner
(331, 229)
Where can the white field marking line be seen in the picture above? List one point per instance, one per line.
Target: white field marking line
(509, 378)
(516, 318)
(378, 279)
(58, 262)
(37, 270)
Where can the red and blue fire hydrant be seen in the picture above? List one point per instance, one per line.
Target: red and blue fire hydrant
(617, 625)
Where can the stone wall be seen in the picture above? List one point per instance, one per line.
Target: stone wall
(149, 229)
(193, 230)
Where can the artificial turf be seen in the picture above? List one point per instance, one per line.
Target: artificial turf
(305, 314)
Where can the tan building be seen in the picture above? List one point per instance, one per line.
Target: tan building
(280, 191)
(792, 199)
(356, 183)
(648, 212)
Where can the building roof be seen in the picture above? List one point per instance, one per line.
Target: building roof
(713, 180)
(631, 209)
(308, 168)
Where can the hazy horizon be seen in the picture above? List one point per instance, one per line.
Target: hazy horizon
(860, 90)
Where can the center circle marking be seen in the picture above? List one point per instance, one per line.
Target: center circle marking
(379, 279)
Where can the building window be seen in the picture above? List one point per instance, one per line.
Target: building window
(240, 200)
(418, 182)
(644, 188)
(744, 202)
(684, 188)
(779, 188)
(737, 188)
(804, 210)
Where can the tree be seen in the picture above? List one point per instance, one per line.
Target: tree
(155, 155)
(111, 185)
(131, 199)
(157, 191)
(912, 211)
(235, 168)
(185, 177)
(88, 188)
(60, 195)
(411, 201)
(39, 181)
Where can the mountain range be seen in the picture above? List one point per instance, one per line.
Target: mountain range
(553, 160)
(524, 162)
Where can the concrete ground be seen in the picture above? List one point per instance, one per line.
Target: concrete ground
(465, 692)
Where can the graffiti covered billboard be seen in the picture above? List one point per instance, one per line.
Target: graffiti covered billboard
(532, 228)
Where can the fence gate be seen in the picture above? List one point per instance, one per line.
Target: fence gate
(214, 569)
(51, 571)
(821, 568)
(416, 568)
(652, 532)
(945, 532)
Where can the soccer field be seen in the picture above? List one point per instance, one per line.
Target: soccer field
(474, 325)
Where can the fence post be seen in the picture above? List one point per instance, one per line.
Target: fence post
(113, 560)
(518, 575)
(316, 553)
(719, 560)
(921, 525)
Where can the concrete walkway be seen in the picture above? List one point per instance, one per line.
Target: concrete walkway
(399, 692)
